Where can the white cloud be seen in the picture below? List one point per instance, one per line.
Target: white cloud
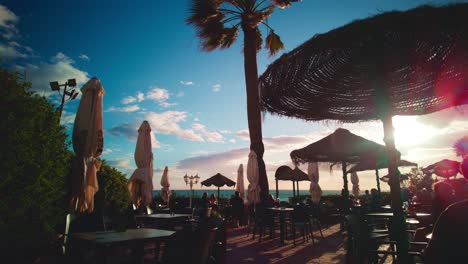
(196, 119)
(243, 134)
(233, 141)
(60, 68)
(216, 87)
(122, 165)
(84, 57)
(130, 131)
(225, 132)
(128, 100)
(180, 94)
(213, 137)
(8, 21)
(158, 94)
(126, 109)
(166, 104)
(168, 123)
(67, 118)
(161, 96)
(140, 96)
(10, 52)
(107, 151)
(186, 83)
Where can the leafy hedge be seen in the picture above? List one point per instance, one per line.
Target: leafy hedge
(34, 162)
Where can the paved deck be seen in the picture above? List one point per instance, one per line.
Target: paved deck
(241, 248)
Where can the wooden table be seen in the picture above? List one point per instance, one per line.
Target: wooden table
(389, 214)
(162, 220)
(282, 211)
(134, 238)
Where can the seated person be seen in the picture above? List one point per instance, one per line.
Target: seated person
(443, 197)
(237, 208)
(375, 201)
(269, 201)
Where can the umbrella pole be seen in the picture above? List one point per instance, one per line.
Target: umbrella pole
(218, 194)
(399, 233)
(294, 189)
(346, 201)
(297, 188)
(378, 181)
(277, 192)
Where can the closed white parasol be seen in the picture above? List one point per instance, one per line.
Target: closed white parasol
(140, 184)
(315, 190)
(165, 192)
(240, 182)
(88, 142)
(355, 182)
(252, 177)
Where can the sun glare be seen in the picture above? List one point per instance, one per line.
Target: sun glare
(409, 132)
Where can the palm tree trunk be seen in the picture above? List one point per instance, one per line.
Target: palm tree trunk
(253, 105)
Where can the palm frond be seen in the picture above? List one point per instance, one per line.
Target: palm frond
(258, 39)
(283, 3)
(202, 10)
(230, 36)
(273, 43)
(461, 147)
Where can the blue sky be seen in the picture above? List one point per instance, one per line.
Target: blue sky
(152, 68)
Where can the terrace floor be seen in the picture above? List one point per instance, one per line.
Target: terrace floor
(241, 248)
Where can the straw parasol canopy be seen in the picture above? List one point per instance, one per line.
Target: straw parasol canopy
(240, 182)
(88, 143)
(373, 164)
(140, 184)
(422, 67)
(365, 165)
(444, 168)
(165, 192)
(340, 146)
(252, 177)
(315, 190)
(285, 173)
(218, 180)
(395, 63)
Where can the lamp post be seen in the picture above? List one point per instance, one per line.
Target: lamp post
(191, 180)
(55, 86)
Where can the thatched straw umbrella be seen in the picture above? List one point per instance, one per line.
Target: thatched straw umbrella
(395, 63)
(372, 164)
(341, 147)
(444, 168)
(285, 173)
(218, 180)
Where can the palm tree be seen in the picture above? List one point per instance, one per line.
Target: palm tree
(218, 23)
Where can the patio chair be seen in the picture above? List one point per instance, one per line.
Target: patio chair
(190, 247)
(300, 219)
(263, 220)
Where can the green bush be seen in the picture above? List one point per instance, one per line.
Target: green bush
(34, 162)
(113, 196)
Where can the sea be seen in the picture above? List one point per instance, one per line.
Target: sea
(283, 194)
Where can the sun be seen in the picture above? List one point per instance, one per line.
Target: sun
(409, 132)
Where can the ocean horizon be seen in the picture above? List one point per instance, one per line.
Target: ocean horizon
(283, 194)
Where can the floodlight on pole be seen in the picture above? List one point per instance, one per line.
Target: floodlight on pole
(55, 86)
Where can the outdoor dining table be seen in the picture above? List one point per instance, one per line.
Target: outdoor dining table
(104, 240)
(162, 219)
(390, 214)
(282, 212)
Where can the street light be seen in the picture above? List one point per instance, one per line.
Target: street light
(55, 86)
(191, 180)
